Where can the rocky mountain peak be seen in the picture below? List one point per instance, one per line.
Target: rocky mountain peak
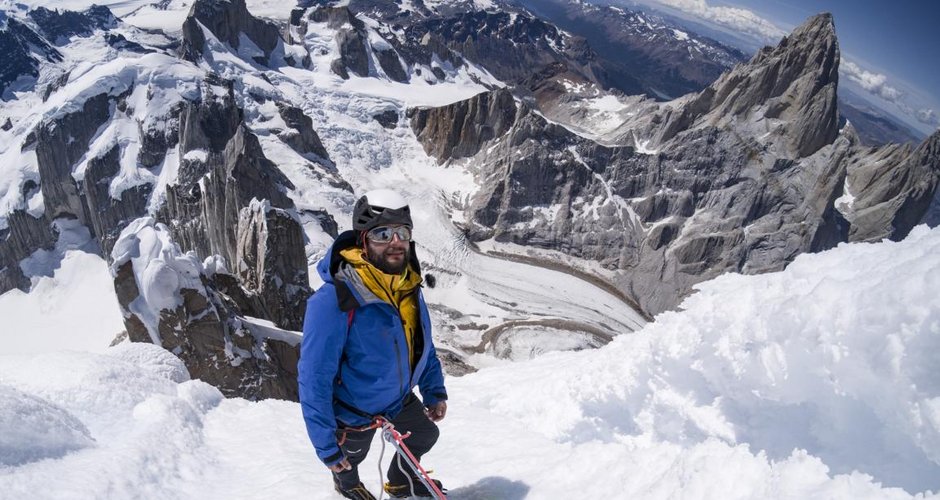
(227, 20)
(931, 156)
(23, 49)
(789, 89)
(58, 26)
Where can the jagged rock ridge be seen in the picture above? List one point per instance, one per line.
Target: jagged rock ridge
(227, 207)
(748, 174)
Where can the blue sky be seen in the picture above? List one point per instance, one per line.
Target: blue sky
(889, 49)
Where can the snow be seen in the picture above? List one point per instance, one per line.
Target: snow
(35, 429)
(818, 382)
(815, 382)
(844, 203)
(160, 269)
(71, 304)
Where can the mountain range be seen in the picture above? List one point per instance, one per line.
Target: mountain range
(212, 167)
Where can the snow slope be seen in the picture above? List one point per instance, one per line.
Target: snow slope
(816, 382)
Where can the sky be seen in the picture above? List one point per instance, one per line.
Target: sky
(888, 48)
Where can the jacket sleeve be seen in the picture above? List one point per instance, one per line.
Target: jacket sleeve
(431, 383)
(320, 352)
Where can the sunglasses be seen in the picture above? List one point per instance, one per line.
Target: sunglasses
(384, 234)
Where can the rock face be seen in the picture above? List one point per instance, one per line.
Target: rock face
(59, 26)
(210, 264)
(60, 144)
(228, 20)
(23, 235)
(301, 136)
(790, 89)
(223, 170)
(22, 50)
(713, 199)
(888, 202)
(460, 130)
(170, 299)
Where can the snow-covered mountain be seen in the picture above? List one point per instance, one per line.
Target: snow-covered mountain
(814, 382)
(642, 53)
(176, 170)
(213, 165)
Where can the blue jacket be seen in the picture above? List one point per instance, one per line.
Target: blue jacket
(354, 356)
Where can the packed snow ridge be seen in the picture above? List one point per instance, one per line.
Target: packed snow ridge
(815, 382)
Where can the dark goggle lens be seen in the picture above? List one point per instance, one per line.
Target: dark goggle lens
(384, 234)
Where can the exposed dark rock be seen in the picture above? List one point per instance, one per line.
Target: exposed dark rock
(227, 20)
(460, 129)
(324, 220)
(22, 50)
(60, 143)
(55, 85)
(716, 199)
(217, 181)
(388, 60)
(892, 190)
(271, 261)
(454, 365)
(353, 55)
(300, 137)
(24, 235)
(214, 342)
(119, 42)
(387, 118)
(793, 84)
(210, 123)
(109, 214)
(157, 138)
(59, 26)
(7, 125)
(336, 17)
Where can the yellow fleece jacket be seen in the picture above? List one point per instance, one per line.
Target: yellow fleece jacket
(399, 290)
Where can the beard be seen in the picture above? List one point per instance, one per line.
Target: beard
(388, 260)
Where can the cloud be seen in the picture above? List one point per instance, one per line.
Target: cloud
(739, 19)
(875, 83)
(927, 116)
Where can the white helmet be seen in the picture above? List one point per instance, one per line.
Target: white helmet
(380, 207)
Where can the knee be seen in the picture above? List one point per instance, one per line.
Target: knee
(422, 441)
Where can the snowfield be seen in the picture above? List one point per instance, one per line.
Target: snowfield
(816, 382)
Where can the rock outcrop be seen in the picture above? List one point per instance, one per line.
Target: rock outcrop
(223, 170)
(461, 129)
(60, 143)
(229, 21)
(225, 206)
(301, 136)
(889, 191)
(23, 49)
(789, 91)
(713, 199)
(170, 299)
(59, 26)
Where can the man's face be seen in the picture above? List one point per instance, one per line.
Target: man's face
(390, 257)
